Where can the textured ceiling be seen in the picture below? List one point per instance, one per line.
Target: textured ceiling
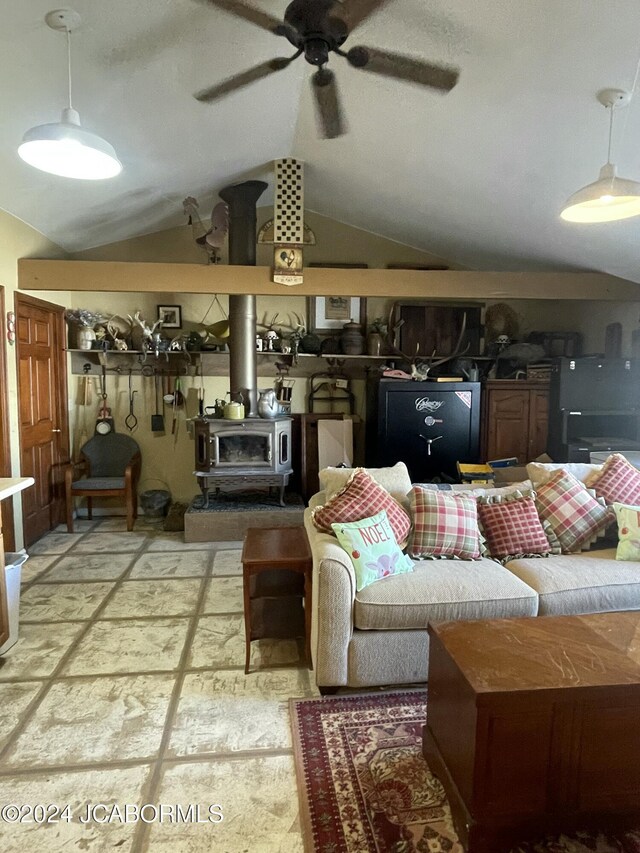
(478, 176)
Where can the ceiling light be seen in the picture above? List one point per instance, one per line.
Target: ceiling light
(65, 148)
(610, 197)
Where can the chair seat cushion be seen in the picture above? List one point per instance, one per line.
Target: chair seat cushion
(97, 483)
(441, 590)
(590, 582)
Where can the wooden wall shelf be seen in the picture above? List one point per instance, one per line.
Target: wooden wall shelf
(217, 363)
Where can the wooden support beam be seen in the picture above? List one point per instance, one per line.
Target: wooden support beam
(120, 276)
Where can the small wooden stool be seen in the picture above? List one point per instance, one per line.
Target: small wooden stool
(266, 549)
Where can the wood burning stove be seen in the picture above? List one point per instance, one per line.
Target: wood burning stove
(248, 452)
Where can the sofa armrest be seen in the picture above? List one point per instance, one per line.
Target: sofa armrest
(334, 590)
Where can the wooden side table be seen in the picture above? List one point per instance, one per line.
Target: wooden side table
(266, 550)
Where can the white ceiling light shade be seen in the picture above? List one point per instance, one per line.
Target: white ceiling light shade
(65, 148)
(609, 198)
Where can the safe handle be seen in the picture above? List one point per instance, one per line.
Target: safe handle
(429, 441)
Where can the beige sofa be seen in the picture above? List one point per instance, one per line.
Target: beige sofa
(378, 636)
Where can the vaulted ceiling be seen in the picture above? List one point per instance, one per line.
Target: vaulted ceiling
(478, 176)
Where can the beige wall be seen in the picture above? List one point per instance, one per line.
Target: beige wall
(18, 240)
(335, 243)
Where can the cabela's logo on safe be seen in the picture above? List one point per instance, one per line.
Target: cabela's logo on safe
(424, 404)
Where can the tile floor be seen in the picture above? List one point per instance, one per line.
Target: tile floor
(127, 686)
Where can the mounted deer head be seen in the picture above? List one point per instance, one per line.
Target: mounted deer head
(421, 366)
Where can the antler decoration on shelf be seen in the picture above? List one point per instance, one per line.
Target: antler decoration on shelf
(422, 366)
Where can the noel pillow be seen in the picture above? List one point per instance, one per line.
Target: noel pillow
(361, 498)
(371, 545)
(628, 532)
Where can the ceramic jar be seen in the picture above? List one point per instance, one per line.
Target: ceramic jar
(86, 336)
(352, 339)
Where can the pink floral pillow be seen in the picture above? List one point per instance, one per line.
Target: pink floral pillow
(371, 544)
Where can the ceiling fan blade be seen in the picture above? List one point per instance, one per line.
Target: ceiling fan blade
(357, 11)
(244, 10)
(402, 67)
(328, 104)
(225, 87)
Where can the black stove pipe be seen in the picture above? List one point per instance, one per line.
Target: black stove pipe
(243, 366)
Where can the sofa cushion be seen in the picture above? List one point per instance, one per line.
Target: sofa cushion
(444, 525)
(372, 548)
(591, 582)
(441, 590)
(574, 515)
(541, 472)
(511, 526)
(395, 479)
(618, 481)
(361, 498)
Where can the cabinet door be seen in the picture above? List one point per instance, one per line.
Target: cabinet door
(508, 433)
(538, 423)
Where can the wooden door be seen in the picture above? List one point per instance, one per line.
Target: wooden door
(6, 506)
(42, 403)
(508, 424)
(538, 422)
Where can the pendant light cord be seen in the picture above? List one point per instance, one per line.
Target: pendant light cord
(69, 64)
(611, 109)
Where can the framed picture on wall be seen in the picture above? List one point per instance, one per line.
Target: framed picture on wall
(171, 316)
(330, 313)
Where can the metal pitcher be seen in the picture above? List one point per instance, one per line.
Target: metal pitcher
(268, 406)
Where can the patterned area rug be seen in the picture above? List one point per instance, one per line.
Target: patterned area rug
(365, 787)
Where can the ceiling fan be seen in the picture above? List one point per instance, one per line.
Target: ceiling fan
(317, 28)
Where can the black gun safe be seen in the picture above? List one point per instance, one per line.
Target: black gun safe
(594, 405)
(428, 425)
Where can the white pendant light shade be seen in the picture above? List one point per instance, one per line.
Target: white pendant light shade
(605, 200)
(65, 148)
(609, 198)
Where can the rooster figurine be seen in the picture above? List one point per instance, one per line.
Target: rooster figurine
(212, 239)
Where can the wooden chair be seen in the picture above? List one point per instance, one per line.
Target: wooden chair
(111, 464)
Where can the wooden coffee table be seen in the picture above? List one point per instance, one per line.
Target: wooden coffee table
(533, 725)
(273, 599)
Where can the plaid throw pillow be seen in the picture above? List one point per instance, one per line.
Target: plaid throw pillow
(617, 482)
(511, 526)
(575, 516)
(445, 524)
(361, 498)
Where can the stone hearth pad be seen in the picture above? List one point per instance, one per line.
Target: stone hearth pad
(230, 515)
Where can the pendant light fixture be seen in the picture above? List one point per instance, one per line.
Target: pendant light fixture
(610, 197)
(65, 148)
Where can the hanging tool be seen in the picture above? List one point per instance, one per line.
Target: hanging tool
(201, 394)
(131, 421)
(178, 396)
(104, 423)
(157, 420)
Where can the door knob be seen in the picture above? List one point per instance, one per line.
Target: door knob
(56, 430)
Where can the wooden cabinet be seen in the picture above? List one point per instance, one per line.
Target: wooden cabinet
(515, 416)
